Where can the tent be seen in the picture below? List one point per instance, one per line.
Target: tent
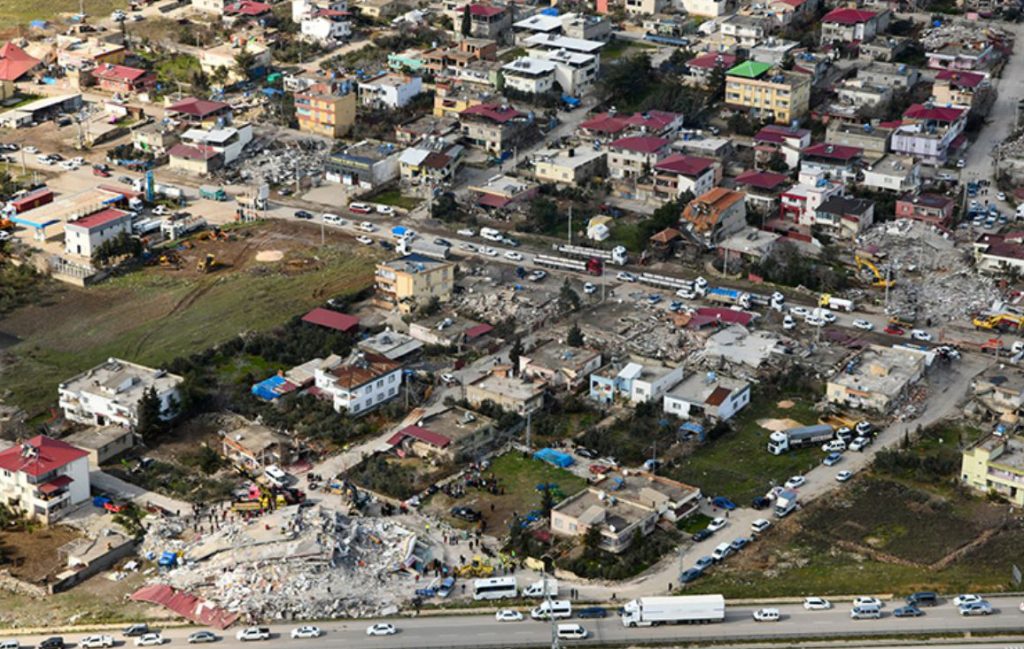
(551, 456)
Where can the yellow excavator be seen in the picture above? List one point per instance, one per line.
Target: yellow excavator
(880, 280)
(998, 321)
(207, 264)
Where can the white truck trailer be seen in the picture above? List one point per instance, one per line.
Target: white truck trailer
(782, 440)
(617, 256)
(683, 609)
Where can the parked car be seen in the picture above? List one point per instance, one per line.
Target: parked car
(589, 288)
(863, 324)
(717, 524)
(53, 642)
(381, 628)
(832, 459)
(843, 476)
(724, 503)
(513, 255)
(200, 637)
(701, 535)
(306, 631)
(102, 173)
(333, 219)
(867, 601)
(922, 598)
(508, 615)
(599, 469)
(795, 482)
(788, 322)
(359, 208)
(385, 209)
(592, 612)
(704, 563)
(860, 443)
(365, 240)
(690, 575)
(864, 428)
(893, 330)
(817, 604)
(760, 525)
(623, 276)
(583, 451)
(538, 275)
(466, 513)
(490, 252)
(448, 378)
(919, 334)
(303, 214)
(442, 242)
(466, 232)
(960, 600)
(907, 611)
(135, 630)
(760, 502)
(96, 642)
(739, 543)
(149, 640)
(834, 446)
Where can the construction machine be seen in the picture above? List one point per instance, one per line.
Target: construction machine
(998, 321)
(6, 225)
(880, 280)
(170, 259)
(207, 264)
(478, 567)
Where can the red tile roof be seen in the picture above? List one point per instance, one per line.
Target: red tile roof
(118, 72)
(761, 179)
(100, 219)
(331, 319)
(186, 605)
(640, 144)
(686, 165)
(48, 455)
(794, 3)
(14, 62)
(493, 112)
(653, 120)
(776, 133)
(247, 8)
(712, 60)
(56, 484)
(422, 434)
(961, 78)
(478, 330)
(493, 200)
(717, 396)
(940, 114)
(847, 16)
(196, 152)
(485, 10)
(726, 315)
(198, 107)
(833, 151)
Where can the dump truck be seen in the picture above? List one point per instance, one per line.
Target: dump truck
(728, 296)
(592, 266)
(683, 609)
(212, 193)
(617, 256)
(783, 440)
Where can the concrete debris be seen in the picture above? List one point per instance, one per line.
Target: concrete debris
(283, 162)
(296, 563)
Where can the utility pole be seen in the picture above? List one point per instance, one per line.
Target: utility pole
(570, 224)
(551, 616)
(529, 422)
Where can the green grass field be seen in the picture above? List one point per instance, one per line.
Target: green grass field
(14, 13)
(395, 198)
(154, 316)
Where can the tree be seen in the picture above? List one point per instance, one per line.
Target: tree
(467, 25)
(514, 353)
(244, 61)
(592, 538)
(547, 500)
(151, 423)
(627, 81)
(777, 162)
(575, 336)
(220, 75)
(569, 297)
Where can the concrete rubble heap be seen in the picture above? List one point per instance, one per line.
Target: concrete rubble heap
(295, 563)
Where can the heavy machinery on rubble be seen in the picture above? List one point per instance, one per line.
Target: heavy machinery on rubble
(880, 280)
(998, 321)
(478, 567)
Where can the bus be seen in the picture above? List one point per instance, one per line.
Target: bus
(494, 588)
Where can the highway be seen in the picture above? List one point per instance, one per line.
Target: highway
(483, 631)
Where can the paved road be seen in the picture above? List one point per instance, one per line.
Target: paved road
(483, 631)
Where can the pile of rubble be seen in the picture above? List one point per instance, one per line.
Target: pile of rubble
(954, 31)
(498, 304)
(935, 280)
(295, 563)
(281, 162)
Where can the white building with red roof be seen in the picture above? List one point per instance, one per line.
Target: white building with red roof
(847, 25)
(43, 478)
(633, 157)
(15, 63)
(834, 161)
(612, 124)
(932, 133)
(679, 173)
(701, 67)
(84, 235)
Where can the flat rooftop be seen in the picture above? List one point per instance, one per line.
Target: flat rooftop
(457, 423)
(553, 42)
(121, 381)
(707, 388)
(557, 356)
(513, 388)
(96, 437)
(737, 344)
(581, 155)
(645, 489)
(390, 344)
(1012, 454)
(605, 509)
(414, 264)
(884, 370)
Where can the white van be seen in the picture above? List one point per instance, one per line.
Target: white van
(333, 219)
(722, 551)
(571, 632)
(866, 612)
(491, 234)
(14, 644)
(276, 476)
(559, 609)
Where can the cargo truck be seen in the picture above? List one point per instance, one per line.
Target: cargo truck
(785, 503)
(664, 281)
(830, 302)
(592, 266)
(782, 440)
(684, 609)
(728, 296)
(537, 588)
(213, 193)
(408, 246)
(617, 256)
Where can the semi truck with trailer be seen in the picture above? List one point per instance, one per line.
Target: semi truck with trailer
(782, 440)
(683, 609)
(830, 302)
(617, 256)
(591, 266)
(408, 246)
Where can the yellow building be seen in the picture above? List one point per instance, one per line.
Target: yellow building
(325, 113)
(412, 280)
(450, 101)
(996, 463)
(768, 93)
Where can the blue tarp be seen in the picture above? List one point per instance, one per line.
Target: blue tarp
(265, 389)
(551, 456)
(550, 11)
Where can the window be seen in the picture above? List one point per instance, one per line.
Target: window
(380, 383)
(391, 392)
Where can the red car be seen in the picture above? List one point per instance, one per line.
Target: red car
(101, 172)
(895, 331)
(599, 469)
(360, 208)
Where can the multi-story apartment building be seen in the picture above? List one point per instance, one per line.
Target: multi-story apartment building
(996, 464)
(933, 134)
(413, 280)
(42, 478)
(779, 95)
(326, 110)
(362, 383)
(110, 393)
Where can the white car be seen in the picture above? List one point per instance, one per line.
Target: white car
(538, 275)
(828, 316)
(623, 276)
(4, 235)
(366, 226)
(468, 246)
(1001, 196)
(686, 294)
(44, 159)
(333, 219)
(385, 209)
(867, 601)
(796, 481)
(360, 208)
(78, 160)
(843, 476)
(306, 632)
(961, 163)
(767, 615)
(490, 252)
(96, 642)
(717, 524)
(448, 378)
(960, 600)
(161, 210)
(799, 311)
(788, 322)
(381, 628)
(69, 165)
(920, 334)
(833, 446)
(365, 240)
(149, 640)
(467, 232)
(760, 525)
(815, 321)
(817, 604)
(253, 633)
(513, 255)
(30, 149)
(859, 443)
(508, 615)
(589, 288)
(863, 324)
